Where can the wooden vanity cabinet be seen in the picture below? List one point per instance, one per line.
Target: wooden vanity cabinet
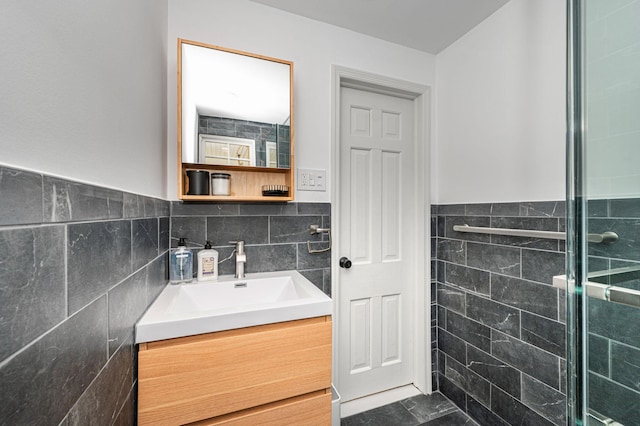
(274, 374)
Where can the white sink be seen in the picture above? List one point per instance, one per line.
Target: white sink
(204, 307)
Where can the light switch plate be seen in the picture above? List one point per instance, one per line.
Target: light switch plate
(312, 180)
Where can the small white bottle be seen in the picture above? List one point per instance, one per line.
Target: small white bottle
(207, 263)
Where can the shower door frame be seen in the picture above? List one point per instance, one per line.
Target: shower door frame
(576, 220)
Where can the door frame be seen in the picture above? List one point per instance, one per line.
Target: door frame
(421, 97)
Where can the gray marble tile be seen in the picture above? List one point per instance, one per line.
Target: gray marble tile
(624, 208)
(598, 208)
(144, 242)
(614, 401)
(268, 209)
(316, 276)
(251, 230)
(471, 279)
(599, 354)
(495, 371)
(158, 277)
(505, 209)
(127, 414)
(440, 272)
(280, 257)
(164, 234)
(614, 321)
(468, 330)
(293, 229)
(194, 229)
(66, 201)
(133, 206)
(513, 411)
(542, 266)
(42, 383)
(457, 418)
(543, 333)
(472, 383)
(482, 414)
(498, 259)
(101, 402)
(455, 394)
(537, 298)
(326, 278)
(179, 208)
(494, 315)
(527, 358)
(387, 415)
(21, 195)
(452, 346)
(451, 298)
(428, 407)
(625, 365)
(451, 209)
(480, 209)
(32, 284)
(543, 209)
(544, 400)
(308, 260)
(127, 303)
(98, 257)
(323, 209)
(162, 209)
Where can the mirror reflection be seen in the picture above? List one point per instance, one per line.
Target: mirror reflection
(235, 108)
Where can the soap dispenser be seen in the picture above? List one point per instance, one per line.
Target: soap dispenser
(181, 264)
(207, 263)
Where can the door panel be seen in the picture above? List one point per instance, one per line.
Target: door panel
(377, 204)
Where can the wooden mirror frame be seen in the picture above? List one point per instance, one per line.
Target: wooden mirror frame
(246, 181)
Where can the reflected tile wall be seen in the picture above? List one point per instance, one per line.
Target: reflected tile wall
(76, 274)
(275, 235)
(614, 334)
(500, 330)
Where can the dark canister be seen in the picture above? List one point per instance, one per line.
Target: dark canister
(198, 182)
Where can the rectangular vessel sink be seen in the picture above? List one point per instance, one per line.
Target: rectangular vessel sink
(205, 307)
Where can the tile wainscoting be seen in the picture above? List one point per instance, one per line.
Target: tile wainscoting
(275, 235)
(500, 324)
(79, 264)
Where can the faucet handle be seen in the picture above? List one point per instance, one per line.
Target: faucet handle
(239, 245)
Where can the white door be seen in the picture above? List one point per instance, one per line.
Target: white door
(377, 211)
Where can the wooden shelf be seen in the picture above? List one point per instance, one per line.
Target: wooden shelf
(245, 183)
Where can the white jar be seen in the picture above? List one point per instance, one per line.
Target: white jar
(220, 183)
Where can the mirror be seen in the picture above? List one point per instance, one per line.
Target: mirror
(234, 107)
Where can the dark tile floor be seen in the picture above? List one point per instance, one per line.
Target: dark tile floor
(423, 410)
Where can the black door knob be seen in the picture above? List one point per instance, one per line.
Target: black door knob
(345, 262)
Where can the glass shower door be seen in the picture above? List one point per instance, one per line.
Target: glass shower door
(604, 200)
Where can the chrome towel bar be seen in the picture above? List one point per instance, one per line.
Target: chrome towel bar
(606, 237)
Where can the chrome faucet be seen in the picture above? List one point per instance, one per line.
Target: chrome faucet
(241, 258)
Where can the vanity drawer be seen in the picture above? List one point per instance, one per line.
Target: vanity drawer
(199, 377)
(308, 409)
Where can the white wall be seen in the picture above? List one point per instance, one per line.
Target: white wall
(82, 91)
(312, 46)
(500, 108)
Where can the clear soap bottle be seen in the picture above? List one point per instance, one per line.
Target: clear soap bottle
(207, 263)
(181, 264)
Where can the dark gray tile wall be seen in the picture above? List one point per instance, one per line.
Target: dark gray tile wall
(275, 235)
(614, 339)
(499, 322)
(79, 264)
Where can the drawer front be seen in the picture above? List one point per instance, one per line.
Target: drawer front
(313, 409)
(198, 377)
